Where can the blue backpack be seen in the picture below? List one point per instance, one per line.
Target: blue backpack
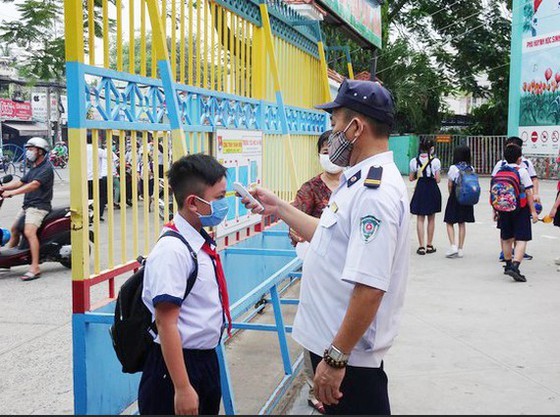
(467, 188)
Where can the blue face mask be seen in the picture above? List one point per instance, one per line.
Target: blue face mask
(217, 215)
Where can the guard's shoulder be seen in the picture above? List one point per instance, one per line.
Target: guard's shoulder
(374, 176)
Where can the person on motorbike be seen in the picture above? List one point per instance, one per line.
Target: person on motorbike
(37, 185)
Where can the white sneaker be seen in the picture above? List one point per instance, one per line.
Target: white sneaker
(460, 253)
(557, 261)
(452, 252)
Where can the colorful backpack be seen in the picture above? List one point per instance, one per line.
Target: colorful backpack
(467, 188)
(507, 194)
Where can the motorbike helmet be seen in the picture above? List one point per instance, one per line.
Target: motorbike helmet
(4, 236)
(38, 142)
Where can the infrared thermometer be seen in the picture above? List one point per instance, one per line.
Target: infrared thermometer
(242, 191)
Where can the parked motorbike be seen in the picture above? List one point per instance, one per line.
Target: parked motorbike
(54, 239)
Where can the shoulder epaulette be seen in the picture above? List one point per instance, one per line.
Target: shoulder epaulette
(373, 179)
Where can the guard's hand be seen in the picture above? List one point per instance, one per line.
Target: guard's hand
(186, 402)
(267, 198)
(326, 384)
(7, 194)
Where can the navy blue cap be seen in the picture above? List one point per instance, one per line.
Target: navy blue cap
(366, 97)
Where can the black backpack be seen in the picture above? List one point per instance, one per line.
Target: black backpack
(134, 330)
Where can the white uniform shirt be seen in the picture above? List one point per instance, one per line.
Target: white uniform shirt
(102, 164)
(430, 170)
(362, 237)
(526, 163)
(523, 175)
(168, 267)
(453, 172)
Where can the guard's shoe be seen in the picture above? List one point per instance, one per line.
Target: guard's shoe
(527, 257)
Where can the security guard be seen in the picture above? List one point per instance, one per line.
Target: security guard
(355, 271)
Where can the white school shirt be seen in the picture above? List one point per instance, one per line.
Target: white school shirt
(524, 176)
(102, 164)
(526, 163)
(453, 172)
(362, 237)
(430, 170)
(168, 267)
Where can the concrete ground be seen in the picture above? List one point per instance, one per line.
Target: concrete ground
(472, 340)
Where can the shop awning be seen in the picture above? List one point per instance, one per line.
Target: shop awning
(27, 128)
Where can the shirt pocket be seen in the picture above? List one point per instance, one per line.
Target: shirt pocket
(325, 230)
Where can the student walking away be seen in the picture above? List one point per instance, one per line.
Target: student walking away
(527, 164)
(455, 212)
(102, 174)
(555, 215)
(511, 195)
(426, 199)
(37, 185)
(181, 375)
(312, 198)
(355, 271)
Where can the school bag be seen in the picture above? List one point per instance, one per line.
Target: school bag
(133, 331)
(467, 187)
(507, 194)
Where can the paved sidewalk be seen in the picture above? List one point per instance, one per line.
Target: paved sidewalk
(472, 340)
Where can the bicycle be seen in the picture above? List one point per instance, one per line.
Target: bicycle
(7, 166)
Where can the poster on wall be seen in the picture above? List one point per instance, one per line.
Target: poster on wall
(364, 16)
(240, 151)
(539, 113)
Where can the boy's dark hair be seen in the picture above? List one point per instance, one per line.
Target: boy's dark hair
(512, 153)
(426, 145)
(322, 139)
(462, 154)
(191, 174)
(515, 140)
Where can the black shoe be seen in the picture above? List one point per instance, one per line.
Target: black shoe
(527, 257)
(513, 271)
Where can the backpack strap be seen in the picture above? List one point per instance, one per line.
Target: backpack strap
(190, 280)
(192, 277)
(423, 167)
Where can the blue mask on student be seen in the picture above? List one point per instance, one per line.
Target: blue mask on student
(217, 215)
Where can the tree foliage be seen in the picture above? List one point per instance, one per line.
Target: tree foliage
(435, 47)
(39, 31)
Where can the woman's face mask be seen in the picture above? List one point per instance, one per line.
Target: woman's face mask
(218, 212)
(327, 165)
(340, 148)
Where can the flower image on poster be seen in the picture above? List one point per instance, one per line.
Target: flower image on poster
(539, 115)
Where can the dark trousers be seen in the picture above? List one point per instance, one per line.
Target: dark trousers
(102, 194)
(364, 391)
(156, 393)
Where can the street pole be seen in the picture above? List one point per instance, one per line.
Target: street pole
(373, 70)
(49, 127)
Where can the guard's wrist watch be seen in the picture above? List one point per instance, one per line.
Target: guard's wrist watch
(335, 358)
